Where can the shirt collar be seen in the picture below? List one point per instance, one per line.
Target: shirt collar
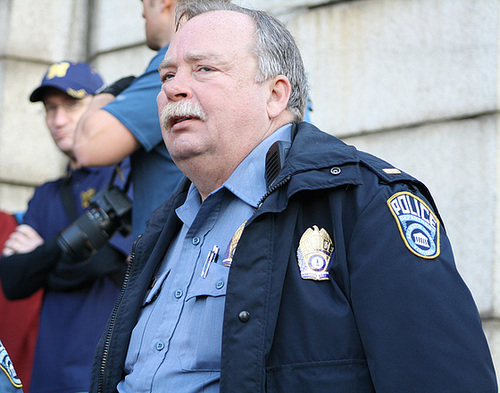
(248, 182)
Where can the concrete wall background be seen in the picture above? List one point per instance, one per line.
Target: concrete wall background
(412, 81)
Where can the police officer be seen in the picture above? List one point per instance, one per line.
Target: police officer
(332, 272)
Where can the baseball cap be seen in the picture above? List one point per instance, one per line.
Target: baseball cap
(76, 79)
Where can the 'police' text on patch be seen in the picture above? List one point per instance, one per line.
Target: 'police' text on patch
(417, 223)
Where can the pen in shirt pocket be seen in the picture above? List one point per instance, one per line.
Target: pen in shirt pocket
(211, 257)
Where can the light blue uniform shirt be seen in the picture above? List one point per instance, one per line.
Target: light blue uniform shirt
(176, 344)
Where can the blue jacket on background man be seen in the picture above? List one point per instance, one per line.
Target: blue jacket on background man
(390, 314)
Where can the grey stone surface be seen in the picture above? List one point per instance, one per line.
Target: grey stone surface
(382, 64)
(11, 194)
(130, 61)
(5, 6)
(116, 24)
(29, 155)
(48, 30)
(281, 7)
(492, 331)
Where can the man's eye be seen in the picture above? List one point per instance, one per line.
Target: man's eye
(167, 76)
(206, 69)
(72, 106)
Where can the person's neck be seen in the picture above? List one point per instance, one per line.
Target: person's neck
(208, 177)
(74, 164)
(208, 174)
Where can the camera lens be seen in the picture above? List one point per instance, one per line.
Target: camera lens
(110, 212)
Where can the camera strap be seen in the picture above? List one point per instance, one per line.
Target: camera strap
(118, 171)
(68, 199)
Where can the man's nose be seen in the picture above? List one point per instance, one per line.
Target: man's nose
(179, 86)
(60, 115)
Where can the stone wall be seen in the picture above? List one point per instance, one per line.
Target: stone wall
(412, 81)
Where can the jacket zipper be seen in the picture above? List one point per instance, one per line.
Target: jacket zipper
(272, 189)
(112, 318)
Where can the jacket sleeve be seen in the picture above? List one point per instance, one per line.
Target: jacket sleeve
(48, 267)
(69, 274)
(23, 274)
(418, 322)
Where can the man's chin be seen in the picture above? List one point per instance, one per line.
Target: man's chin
(66, 148)
(185, 152)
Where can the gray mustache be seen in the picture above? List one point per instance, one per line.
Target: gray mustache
(180, 109)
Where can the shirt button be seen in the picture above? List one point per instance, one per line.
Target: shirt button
(219, 284)
(159, 346)
(178, 294)
(244, 316)
(196, 240)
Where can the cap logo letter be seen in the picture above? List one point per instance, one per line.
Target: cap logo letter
(58, 70)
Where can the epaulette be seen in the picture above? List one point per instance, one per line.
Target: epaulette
(389, 174)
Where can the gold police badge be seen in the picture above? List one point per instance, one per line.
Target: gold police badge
(232, 246)
(314, 253)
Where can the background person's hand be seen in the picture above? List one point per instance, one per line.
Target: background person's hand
(23, 240)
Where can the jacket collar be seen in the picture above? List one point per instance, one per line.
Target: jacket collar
(313, 149)
(316, 160)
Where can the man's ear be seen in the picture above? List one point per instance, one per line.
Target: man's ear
(280, 90)
(169, 4)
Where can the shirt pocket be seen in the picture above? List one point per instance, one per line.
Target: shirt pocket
(200, 348)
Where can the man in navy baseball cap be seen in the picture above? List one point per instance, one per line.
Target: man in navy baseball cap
(77, 80)
(66, 91)
(79, 293)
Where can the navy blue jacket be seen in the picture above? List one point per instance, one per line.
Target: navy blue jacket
(392, 316)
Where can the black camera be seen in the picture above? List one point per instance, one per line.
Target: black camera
(110, 211)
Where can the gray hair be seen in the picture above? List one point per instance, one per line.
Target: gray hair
(275, 49)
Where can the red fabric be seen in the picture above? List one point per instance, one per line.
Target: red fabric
(19, 318)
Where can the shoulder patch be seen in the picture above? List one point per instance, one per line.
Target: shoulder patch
(418, 225)
(8, 368)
